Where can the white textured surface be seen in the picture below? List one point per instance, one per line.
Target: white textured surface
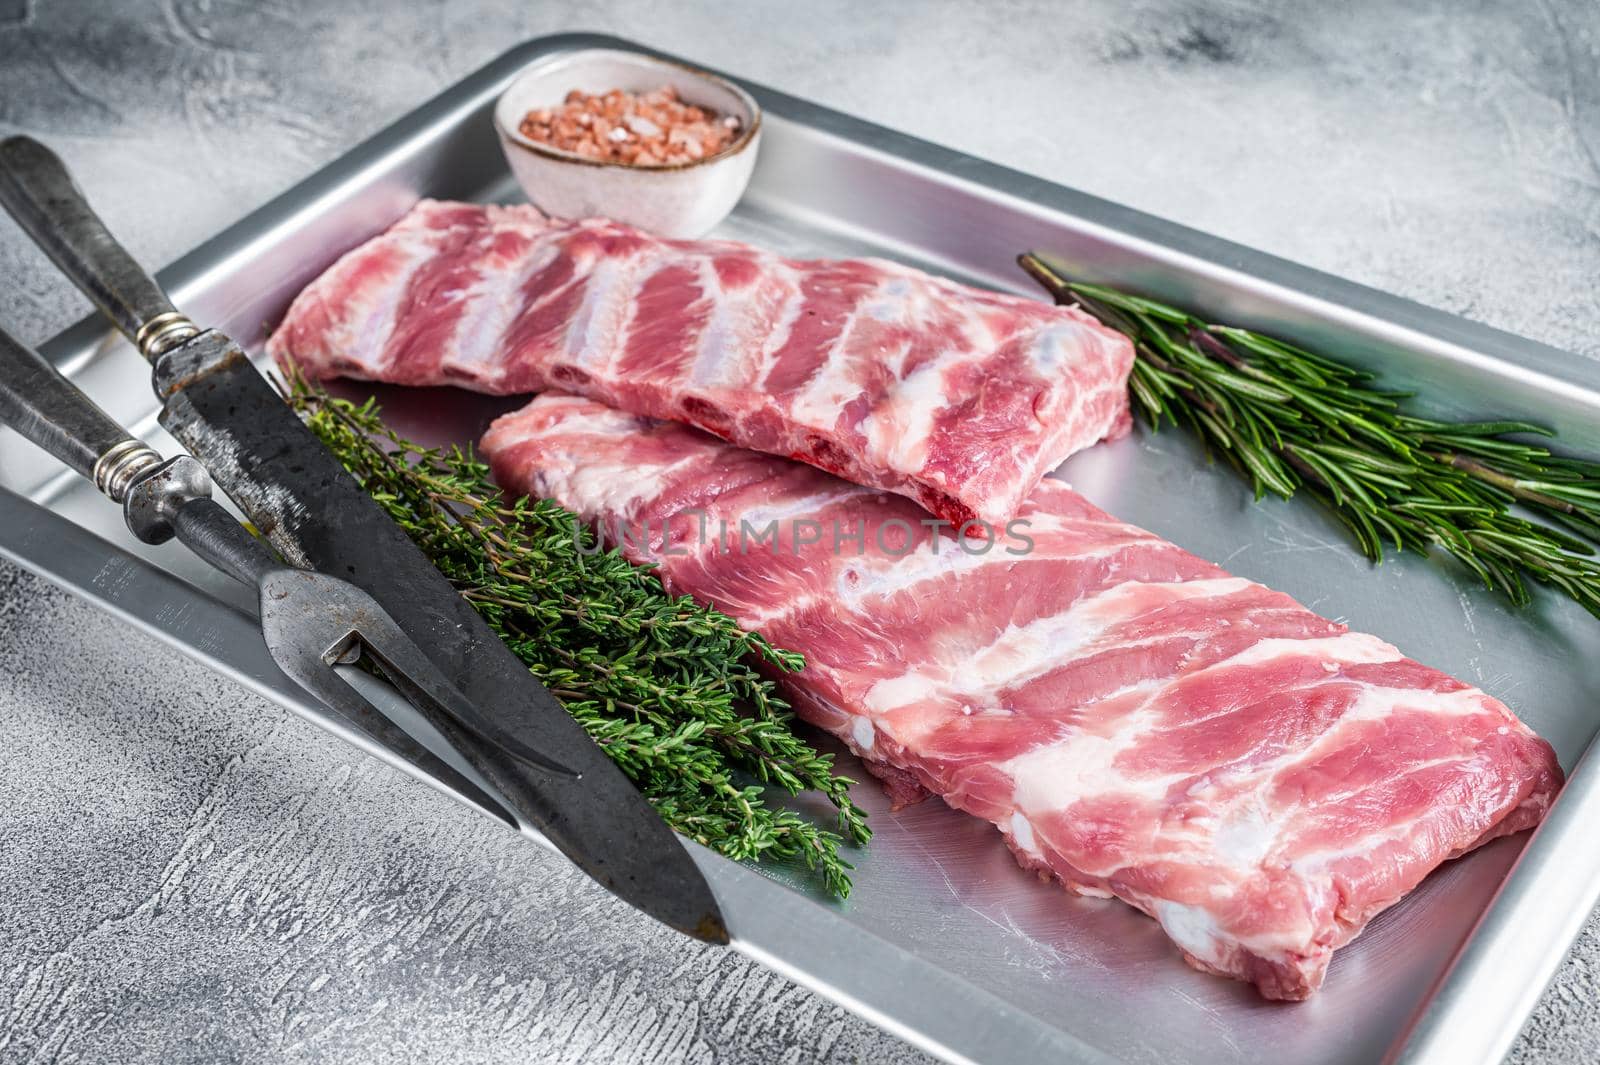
(191, 874)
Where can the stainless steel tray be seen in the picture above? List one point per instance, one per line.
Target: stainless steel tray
(946, 941)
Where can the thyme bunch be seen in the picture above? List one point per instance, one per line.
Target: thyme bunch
(669, 688)
(1291, 420)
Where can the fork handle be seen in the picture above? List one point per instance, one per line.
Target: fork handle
(42, 405)
(160, 499)
(38, 191)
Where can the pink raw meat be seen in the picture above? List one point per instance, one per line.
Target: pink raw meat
(956, 397)
(1135, 720)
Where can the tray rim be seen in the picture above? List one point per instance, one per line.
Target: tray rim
(1457, 1021)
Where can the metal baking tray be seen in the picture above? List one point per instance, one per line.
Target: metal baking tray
(946, 941)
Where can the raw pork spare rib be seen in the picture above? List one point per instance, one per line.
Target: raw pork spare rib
(1135, 720)
(958, 398)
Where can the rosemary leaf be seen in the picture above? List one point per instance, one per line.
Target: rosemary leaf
(1293, 420)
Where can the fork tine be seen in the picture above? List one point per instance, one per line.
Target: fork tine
(426, 687)
(324, 682)
(597, 818)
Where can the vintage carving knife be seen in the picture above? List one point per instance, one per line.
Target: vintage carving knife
(298, 495)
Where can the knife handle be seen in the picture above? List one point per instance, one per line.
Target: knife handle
(42, 405)
(38, 191)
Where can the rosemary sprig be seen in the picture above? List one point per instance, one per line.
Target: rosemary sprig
(1291, 420)
(671, 689)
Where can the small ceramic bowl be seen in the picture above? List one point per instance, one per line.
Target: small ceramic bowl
(679, 200)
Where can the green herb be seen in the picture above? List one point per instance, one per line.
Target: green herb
(669, 688)
(1291, 420)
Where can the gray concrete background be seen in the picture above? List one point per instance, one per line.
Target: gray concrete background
(190, 874)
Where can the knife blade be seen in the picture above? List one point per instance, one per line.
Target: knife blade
(298, 495)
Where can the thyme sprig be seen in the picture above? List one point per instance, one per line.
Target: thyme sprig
(1290, 420)
(672, 690)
